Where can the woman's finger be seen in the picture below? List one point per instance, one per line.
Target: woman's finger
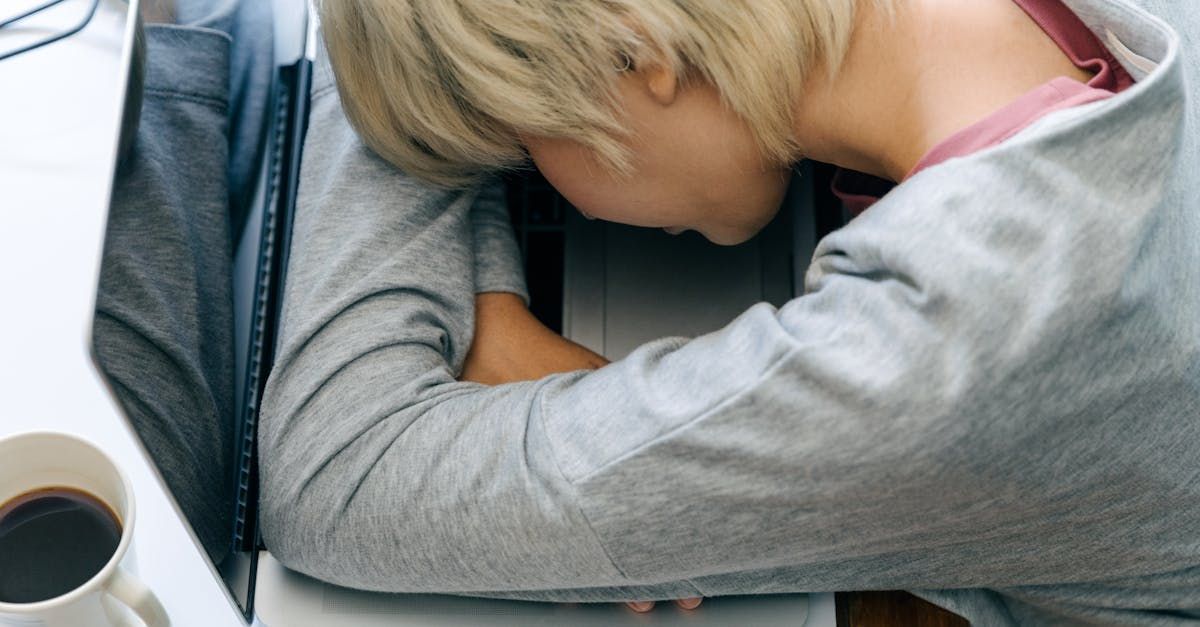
(690, 603)
(640, 606)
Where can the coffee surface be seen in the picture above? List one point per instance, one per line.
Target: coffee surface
(52, 541)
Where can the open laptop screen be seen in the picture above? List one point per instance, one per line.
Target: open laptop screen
(185, 315)
(163, 328)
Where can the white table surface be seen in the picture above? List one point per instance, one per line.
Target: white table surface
(59, 114)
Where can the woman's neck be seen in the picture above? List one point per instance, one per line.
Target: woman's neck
(912, 79)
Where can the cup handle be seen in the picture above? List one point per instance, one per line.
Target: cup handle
(134, 594)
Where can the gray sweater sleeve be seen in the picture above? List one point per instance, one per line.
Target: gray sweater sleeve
(930, 414)
(497, 265)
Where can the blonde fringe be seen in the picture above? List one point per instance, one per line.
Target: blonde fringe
(443, 89)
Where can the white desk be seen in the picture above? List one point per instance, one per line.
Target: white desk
(59, 113)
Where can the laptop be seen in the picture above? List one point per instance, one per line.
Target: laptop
(610, 288)
(606, 286)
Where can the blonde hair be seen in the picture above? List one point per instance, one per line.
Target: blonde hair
(444, 88)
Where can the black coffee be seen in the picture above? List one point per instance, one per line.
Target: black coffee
(52, 541)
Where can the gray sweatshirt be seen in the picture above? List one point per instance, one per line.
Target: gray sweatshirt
(988, 393)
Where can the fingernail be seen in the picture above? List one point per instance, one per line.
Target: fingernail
(642, 606)
(690, 604)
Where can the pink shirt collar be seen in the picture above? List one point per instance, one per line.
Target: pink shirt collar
(858, 191)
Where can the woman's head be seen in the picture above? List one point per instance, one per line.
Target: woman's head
(661, 113)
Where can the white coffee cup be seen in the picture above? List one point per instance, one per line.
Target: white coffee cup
(31, 461)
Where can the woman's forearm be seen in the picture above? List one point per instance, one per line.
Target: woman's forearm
(511, 345)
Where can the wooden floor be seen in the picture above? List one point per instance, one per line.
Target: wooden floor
(891, 609)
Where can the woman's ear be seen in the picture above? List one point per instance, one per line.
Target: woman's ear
(661, 82)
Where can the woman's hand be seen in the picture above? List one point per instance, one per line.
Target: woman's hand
(511, 345)
(645, 606)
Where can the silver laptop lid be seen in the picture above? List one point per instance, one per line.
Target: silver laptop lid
(625, 286)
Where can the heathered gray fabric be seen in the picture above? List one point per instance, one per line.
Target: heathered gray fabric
(988, 393)
(248, 24)
(163, 332)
